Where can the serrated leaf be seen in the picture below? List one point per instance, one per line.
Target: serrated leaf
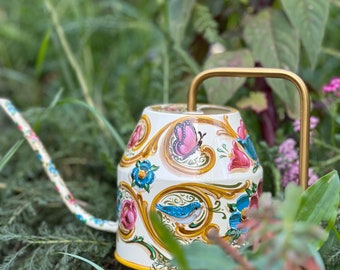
(275, 44)
(256, 101)
(179, 13)
(220, 90)
(309, 17)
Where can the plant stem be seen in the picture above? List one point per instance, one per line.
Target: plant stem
(76, 67)
(70, 56)
(325, 145)
(165, 74)
(336, 233)
(187, 59)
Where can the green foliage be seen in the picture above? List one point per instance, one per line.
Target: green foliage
(215, 88)
(113, 58)
(282, 50)
(282, 234)
(169, 241)
(309, 18)
(204, 23)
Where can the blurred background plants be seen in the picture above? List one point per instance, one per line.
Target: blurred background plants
(118, 57)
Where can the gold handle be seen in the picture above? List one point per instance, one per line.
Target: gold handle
(269, 73)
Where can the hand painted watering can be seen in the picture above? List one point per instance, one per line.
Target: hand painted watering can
(193, 164)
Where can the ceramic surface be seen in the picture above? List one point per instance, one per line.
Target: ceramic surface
(199, 170)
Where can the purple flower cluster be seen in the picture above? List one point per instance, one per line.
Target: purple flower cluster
(333, 87)
(288, 160)
(313, 122)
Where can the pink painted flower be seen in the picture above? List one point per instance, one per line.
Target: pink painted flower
(254, 199)
(238, 159)
(241, 131)
(128, 214)
(135, 136)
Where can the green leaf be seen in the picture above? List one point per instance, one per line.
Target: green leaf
(320, 201)
(154, 168)
(309, 17)
(207, 257)
(291, 203)
(179, 13)
(257, 101)
(220, 90)
(169, 241)
(275, 44)
(95, 266)
(42, 53)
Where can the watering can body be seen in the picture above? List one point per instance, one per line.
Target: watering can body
(195, 165)
(199, 170)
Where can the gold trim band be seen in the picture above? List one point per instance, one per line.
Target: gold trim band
(130, 264)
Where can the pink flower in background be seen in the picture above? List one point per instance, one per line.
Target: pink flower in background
(333, 87)
(312, 177)
(313, 122)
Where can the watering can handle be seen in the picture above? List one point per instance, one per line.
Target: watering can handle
(45, 159)
(269, 73)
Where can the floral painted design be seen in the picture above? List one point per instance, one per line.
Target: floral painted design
(135, 136)
(238, 159)
(10, 107)
(52, 169)
(245, 141)
(143, 174)
(255, 194)
(128, 214)
(238, 210)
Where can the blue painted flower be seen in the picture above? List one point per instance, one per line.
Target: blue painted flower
(143, 174)
(248, 146)
(98, 221)
(81, 218)
(237, 209)
(245, 141)
(52, 169)
(11, 108)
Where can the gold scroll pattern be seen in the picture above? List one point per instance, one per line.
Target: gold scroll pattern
(206, 194)
(200, 165)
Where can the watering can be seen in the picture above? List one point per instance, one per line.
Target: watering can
(193, 164)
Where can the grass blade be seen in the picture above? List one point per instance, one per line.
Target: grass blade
(9, 154)
(95, 266)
